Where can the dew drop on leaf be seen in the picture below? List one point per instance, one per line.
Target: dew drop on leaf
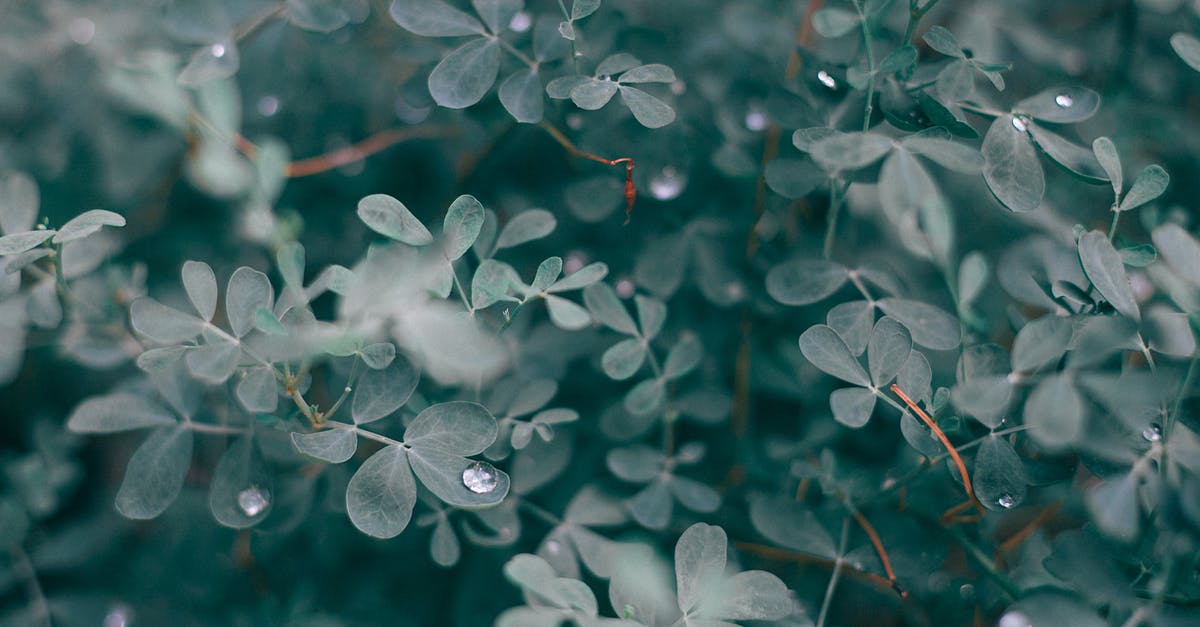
(119, 615)
(1152, 432)
(1014, 619)
(755, 120)
(520, 22)
(268, 106)
(1064, 101)
(253, 500)
(553, 547)
(967, 591)
(81, 30)
(678, 87)
(217, 50)
(1006, 501)
(826, 79)
(624, 288)
(480, 478)
(1019, 124)
(668, 184)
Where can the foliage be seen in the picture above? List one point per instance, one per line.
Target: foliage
(915, 366)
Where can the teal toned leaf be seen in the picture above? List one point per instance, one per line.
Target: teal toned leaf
(378, 393)
(1047, 607)
(566, 314)
(433, 18)
(943, 41)
(1040, 342)
(547, 273)
(645, 397)
(999, 475)
(154, 475)
(521, 95)
(1106, 155)
(444, 547)
(793, 178)
(1150, 183)
(525, 227)
(1010, 165)
(929, 326)
(381, 494)
(683, 357)
(805, 138)
(331, 445)
(946, 153)
(1188, 49)
(616, 63)
(389, 217)
(1061, 104)
(972, 276)
(117, 412)
(1104, 268)
(497, 13)
(214, 361)
(561, 87)
(853, 321)
(266, 322)
(898, 60)
(1074, 158)
(1168, 332)
(607, 309)
(258, 391)
(1179, 250)
(492, 282)
(581, 278)
(827, 351)
(463, 220)
(850, 151)
(459, 427)
(465, 75)
(852, 406)
(322, 16)
(247, 291)
(648, 110)
(834, 22)
(652, 314)
(791, 524)
(653, 73)
(956, 81)
(802, 282)
(378, 356)
(241, 492)
(905, 187)
(161, 323)
(15, 243)
(916, 377)
(19, 203)
(699, 564)
(593, 93)
(87, 223)
(1114, 506)
(623, 359)
(1139, 256)
(887, 351)
(583, 8)
(750, 595)
(984, 398)
(201, 286)
(443, 474)
(1054, 412)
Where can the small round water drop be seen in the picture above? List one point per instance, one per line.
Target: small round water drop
(1006, 500)
(253, 500)
(268, 106)
(575, 260)
(668, 184)
(1019, 124)
(81, 30)
(605, 77)
(480, 478)
(520, 22)
(574, 121)
(678, 87)
(119, 615)
(826, 79)
(755, 120)
(1152, 432)
(625, 288)
(1014, 619)
(217, 50)
(1064, 101)
(553, 547)
(967, 591)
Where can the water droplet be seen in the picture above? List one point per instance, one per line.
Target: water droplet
(827, 80)
(1152, 432)
(668, 184)
(553, 547)
(1006, 501)
(268, 106)
(480, 478)
(967, 591)
(605, 77)
(574, 261)
(678, 87)
(1019, 124)
(520, 22)
(1064, 100)
(217, 50)
(81, 30)
(755, 120)
(574, 121)
(625, 288)
(253, 500)
(1014, 619)
(119, 615)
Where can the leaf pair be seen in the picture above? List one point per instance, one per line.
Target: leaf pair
(617, 73)
(652, 506)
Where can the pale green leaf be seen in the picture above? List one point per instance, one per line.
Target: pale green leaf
(155, 473)
(463, 220)
(521, 95)
(1149, 184)
(606, 308)
(1060, 104)
(852, 406)
(1010, 165)
(246, 292)
(929, 326)
(649, 111)
(240, 495)
(1054, 412)
(163, 324)
(389, 217)
(826, 350)
(433, 18)
(87, 223)
(117, 412)
(805, 281)
(999, 476)
(1104, 268)
(378, 393)
(458, 427)
(381, 494)
(331, 445)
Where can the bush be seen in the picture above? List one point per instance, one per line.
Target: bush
(638, 313)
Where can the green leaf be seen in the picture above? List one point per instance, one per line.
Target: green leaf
(1049, 607)
(593, 93)
(645, 397)
(381, 494)
(247, 291)
(999, 476)
(791, 524)
(581, 278)
(1188, 49)
(117, 412)
(972, 276)
(463, 220)
(887, 351)
(1054, 412)
(322, 16)
(258, 391)
(1114, 506)
(1139, 256)
(850, 151)
(607, 309)
(793, 178)
(19, 202)
(266, 322)
(1072, 157)
(1060, 105)
(638, 463)
(443, 544)
(852, 406)
(290, 261)
(929, 326)
(443, 473)
(389, 217)
(699, 564)
(459, 427)
(1104, 268)
(898, 60)
(378, 356)
(750, 595)
(826, 350)
(905, 187)
(853, 321)
(497, 13)
(946, 153)
(617, 63)
(583, 8)
(652, 314)
(1010, 165)
(433, 18)
(87, 223)
(526, 226)
(943, 41)
(623, 359)
(956, 81)
(161, 323)
(984, 398)
(1040, 342)
(652, 73)
(805, 281)
(240, 495)
(214, 361)
(15, 243)
(565, 314)
(547, 273)
(154, 475)
(331, 445)
(805, 138)
(1150, 183)
(465, 75)
(561, 87)
(649, 111)
(916, 377)
(521, 95)
(378, 393)
(1179, 250)
(1106, 155)
(834, 22)
(683, 357)
(492, 282)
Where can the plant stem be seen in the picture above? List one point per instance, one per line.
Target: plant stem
(869, 107)
(836, 198)
(837, 573)
(1112, 229)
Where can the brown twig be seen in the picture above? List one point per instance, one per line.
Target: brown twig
(1015, 540)
(879, 550)
(783, 555)
(357, 152)
(949, 515)
(565, 142)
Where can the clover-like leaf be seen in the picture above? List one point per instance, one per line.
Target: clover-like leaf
(1010, 165)
(389, 217)
(826, 350)
(154, 475)
(380, 392)
(331, 445)
(999, 476)
(116, 412)
(381, 494)
(461, 227)
(805, 281)
(1105, 269)
(433, 18)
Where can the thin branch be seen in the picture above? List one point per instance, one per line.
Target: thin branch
(962, 468)
(837, 571)
(630, 188)
(357, 152)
